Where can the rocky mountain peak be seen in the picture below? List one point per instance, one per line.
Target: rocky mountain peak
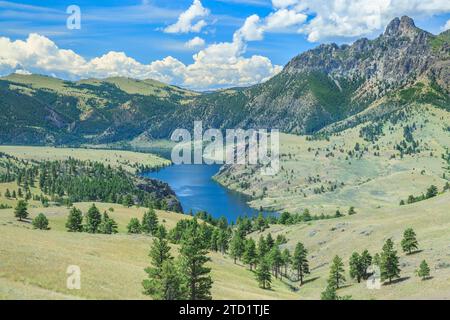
(399, 27)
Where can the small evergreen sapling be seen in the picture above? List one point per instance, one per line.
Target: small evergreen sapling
(75, 221)
(134, 227)
(40, 222)
(21, 210)
(409, 242)
(424, 270)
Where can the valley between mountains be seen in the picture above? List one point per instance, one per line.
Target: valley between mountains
(365, 156)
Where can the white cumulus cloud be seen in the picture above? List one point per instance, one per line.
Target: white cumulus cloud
(190, 20)
(446, 26)
(217, 66)
(252, 30)
(331, 19)
(195, 43)
(282, 19)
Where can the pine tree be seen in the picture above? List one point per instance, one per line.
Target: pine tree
(377, 260)
(21, 210)
(329, 293)
(75, 221)
(263, 275)
(389, 262)
(193, 259)
(351, 211)
(7, 194)
(357, 267)
(260, 223)
(161, 232)
(93, 220)
(409, 242)
(424, 270)
(366, 260)
(108, 225)
(171, 283)
(275, 260)
(214, 242)
(250, 256)
(336, 273)
(237, 246)
(128, 201)
(150, 222)
(270, 242)
(300, 262)
(134, 227)
(164, 281)
(262, 247)
(206, 234)
(40, 222)
(287, 260)
(432, 192)
(223, 241)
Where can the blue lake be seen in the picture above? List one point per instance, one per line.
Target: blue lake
(197, 191)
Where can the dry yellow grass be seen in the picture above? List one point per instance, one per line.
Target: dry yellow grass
(33, 263)
(127, 159)
(369, 230)
(12, 186)
(367, 183)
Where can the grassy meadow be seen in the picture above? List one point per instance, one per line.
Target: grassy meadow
(324, 239)
(33, 263)
(376, 179)
(126, 159)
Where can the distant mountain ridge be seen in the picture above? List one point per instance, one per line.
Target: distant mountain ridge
(316, 91)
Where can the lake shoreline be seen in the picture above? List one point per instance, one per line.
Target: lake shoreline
(197, 190)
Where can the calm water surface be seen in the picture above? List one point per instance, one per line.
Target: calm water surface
(197, 191)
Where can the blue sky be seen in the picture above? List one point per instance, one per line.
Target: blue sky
(139, 30)
(117, 26)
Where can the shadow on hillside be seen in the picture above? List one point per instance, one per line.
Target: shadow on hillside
(348, 285)
(399, 280)
(310, 280)
(415, 252)
(26, 220)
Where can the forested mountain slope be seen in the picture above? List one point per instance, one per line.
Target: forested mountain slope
(346, 84)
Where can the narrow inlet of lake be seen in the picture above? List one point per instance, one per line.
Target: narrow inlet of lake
(197, 191)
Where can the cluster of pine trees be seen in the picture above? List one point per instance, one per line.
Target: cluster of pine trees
(9, 166)
(92, 222)
(149, 225)
(21, 212)
(362, 266)
(184, 278)
(432, 192)
(69, 181)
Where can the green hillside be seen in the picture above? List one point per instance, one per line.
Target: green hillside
(315, 90)
(373, 165)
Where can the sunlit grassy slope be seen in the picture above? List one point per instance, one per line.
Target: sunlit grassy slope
(369, 229)
(374, 180)
(127, 159)
(131, 86)
(33, 263)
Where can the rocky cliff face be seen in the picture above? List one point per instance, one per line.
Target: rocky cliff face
(399, 56)
(330, 83)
